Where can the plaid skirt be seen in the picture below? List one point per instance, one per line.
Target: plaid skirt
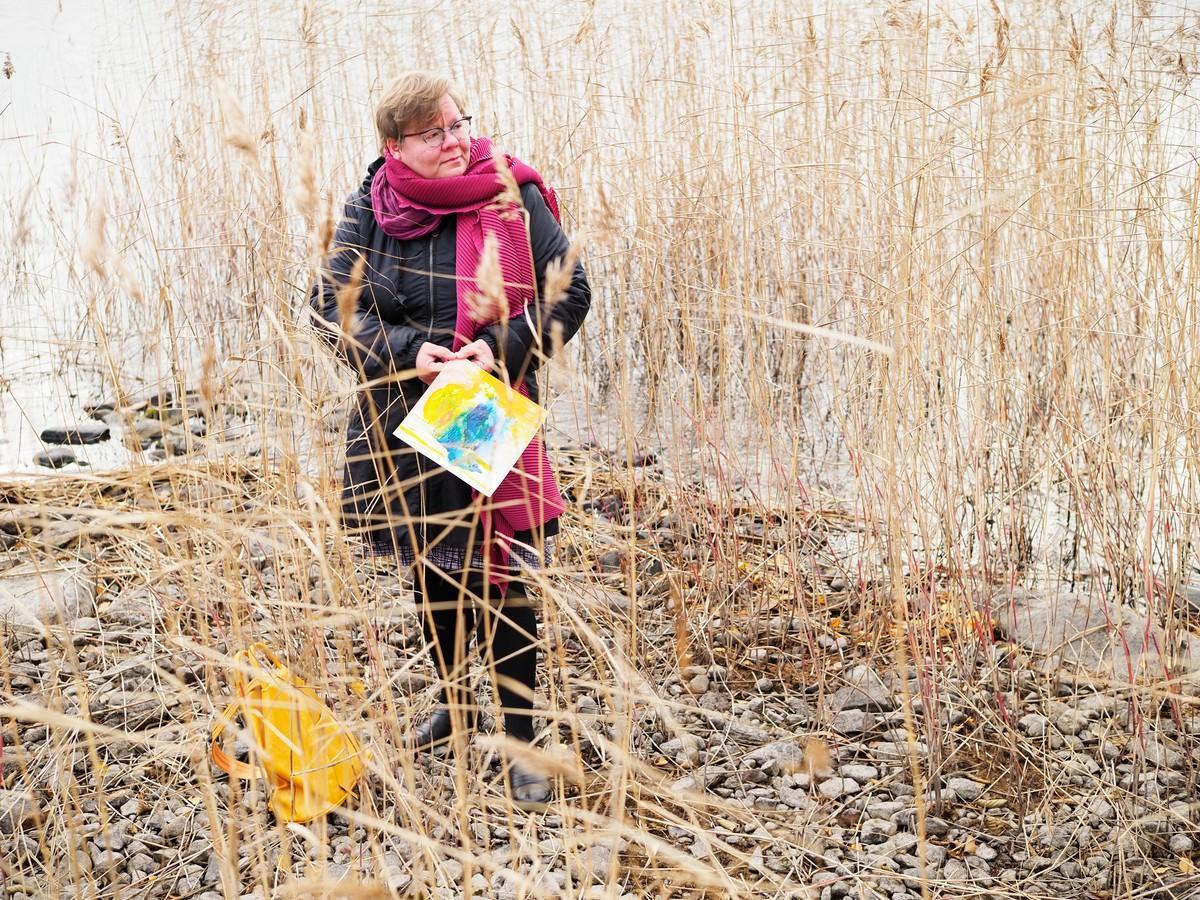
(524, 552)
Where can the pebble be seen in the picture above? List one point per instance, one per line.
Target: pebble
(86, 432)
(853, 722)
(935, 854)
(592, 864)
(864, 689)
(778, 757)
(17, 809)
(876, 831)
(1033, 724)
(54, 457)
(883, 809)
(833, 788)
(965, 789)
(900, 749)
(175, 826)
(860, 773)
(1067, 718)
(955, 871)
(699, 684)
(1159, 754)
(1181, 843)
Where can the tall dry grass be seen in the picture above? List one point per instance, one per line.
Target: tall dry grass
(903, 298)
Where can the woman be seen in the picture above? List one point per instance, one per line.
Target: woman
(399, 302)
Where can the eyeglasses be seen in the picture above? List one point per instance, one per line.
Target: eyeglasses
(433, 137)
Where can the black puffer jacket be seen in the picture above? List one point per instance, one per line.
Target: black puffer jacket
(408, 297)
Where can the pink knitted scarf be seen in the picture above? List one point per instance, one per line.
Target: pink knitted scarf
(409, 206)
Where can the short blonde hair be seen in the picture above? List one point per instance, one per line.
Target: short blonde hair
(411, 100)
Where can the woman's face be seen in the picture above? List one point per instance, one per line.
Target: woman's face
(446, 158)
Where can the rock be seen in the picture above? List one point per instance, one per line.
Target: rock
(212, 873)
(610, 561)
(860, 773)
(778, 757)
(876, 831)
(1033, 724)
(853, 721)
(17, 809)
(883, 809)
(190, 883)
(57, 535)
(935, 853)
(864, 689)
(836, 787)
(143, 862)
(104, 860)
(899, 750)
(143, 434)
(964, 789)
(127, 710)
(133, 609)
(1078, 630)
(955, 870)
(1181, 843)
(90, 432)
(54, 458)
(592, 864)
(1067, 718)
(1159, 754)
(699, 684)
(176, 825)
(32, 596)
(180, 440)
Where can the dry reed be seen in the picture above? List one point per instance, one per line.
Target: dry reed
(892, 309)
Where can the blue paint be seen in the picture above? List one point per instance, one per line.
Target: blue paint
(471, 434)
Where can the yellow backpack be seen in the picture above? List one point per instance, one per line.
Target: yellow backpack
(313, 763)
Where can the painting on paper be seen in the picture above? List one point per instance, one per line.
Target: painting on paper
(472, 424)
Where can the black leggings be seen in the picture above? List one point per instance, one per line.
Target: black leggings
(453, 605)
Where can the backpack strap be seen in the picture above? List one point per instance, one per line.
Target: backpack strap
(236, 768)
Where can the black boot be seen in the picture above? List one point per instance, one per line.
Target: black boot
(529, 786)
(438, 729)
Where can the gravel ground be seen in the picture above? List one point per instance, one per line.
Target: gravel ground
(773, 756)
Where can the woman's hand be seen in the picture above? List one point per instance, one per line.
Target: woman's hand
(431, 359)
(478, 352)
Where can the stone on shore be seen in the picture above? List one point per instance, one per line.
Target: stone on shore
(89, 432)
(54, 457)
(1078, 629)
(17, 809)
(31, 596)
(864, 689)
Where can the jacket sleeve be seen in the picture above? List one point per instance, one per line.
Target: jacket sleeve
(375, 347)
(521, 344)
